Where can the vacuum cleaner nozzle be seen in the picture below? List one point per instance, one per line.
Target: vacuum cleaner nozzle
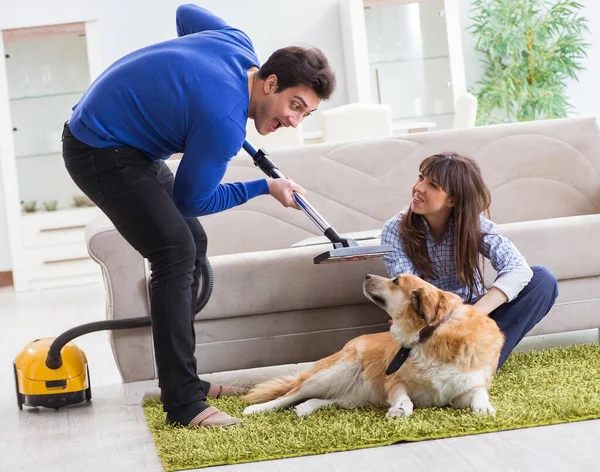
(347, 254)
(347, 250)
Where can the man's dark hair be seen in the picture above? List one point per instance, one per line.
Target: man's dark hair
(296, 65)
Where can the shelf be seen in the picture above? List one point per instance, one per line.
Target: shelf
(48, 95)
(400, 119)
(41, 154)
(60, 212)
(394, 61)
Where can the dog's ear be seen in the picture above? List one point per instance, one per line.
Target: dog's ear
(421, 304)
(432, 306)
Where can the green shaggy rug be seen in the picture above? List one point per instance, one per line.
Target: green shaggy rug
(532, 389)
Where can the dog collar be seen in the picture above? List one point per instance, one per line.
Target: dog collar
(398, 360)
(404, 352)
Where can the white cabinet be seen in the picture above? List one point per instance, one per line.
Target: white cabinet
(46, 71)
(55, 250)
(415, 58)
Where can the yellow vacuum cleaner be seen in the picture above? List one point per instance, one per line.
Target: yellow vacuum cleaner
(54, 373)
(38, 385)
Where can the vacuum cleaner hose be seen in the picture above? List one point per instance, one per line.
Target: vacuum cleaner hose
(54, 360)
(207, 286)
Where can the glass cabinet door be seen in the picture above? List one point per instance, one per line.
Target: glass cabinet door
(47, 73)
(409, 61)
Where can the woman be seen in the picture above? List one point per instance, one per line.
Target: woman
(442, 235)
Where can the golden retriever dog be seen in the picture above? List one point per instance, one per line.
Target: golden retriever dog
(438, 352)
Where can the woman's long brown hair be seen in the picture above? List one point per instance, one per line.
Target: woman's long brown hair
(460, 177)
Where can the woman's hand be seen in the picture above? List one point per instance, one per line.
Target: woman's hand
(282, 190)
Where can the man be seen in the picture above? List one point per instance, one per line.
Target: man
(192, 94)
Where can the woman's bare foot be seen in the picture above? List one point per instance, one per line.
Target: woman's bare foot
(217, 391)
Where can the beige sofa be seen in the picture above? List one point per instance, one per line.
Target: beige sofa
(271, 305)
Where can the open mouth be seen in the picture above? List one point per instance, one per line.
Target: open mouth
(417, 199)
(378, 300)
(276, 124)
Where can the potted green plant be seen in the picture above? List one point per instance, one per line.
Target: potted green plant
(530, 49)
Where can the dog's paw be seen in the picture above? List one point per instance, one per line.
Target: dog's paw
(402, 411)
(259, 408)
(303, 409)
(483, 409)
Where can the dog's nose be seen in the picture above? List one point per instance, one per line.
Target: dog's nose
(368, 276)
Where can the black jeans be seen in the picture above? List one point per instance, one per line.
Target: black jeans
(135, 193)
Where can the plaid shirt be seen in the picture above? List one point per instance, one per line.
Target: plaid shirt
(513, 273)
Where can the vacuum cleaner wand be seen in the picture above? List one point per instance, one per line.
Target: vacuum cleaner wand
(345, 249)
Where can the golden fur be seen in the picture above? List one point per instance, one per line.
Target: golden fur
(454, 366)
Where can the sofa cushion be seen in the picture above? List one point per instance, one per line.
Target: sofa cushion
(285, 279)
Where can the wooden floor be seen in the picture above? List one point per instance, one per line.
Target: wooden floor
(109, 434)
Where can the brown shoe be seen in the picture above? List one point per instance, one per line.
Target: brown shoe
(213, 418)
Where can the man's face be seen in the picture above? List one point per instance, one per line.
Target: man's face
(283, 109)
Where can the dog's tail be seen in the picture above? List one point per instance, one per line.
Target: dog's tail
(272, 389)
(279, 387)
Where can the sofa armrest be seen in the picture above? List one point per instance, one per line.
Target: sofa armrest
(123, 267)
(125, 279)
(568, 246)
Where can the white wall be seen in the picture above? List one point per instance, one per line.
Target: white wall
(7, 167)
(5, 259)
(125, 25)
(584, 95)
